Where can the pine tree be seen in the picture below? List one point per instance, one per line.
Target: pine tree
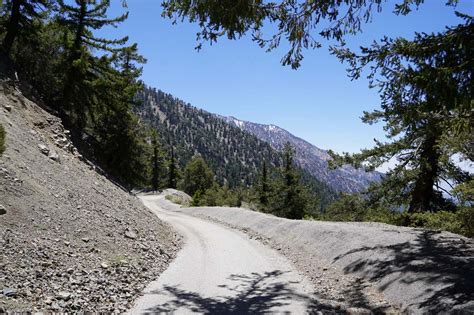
(263, 187)
(156, 169)
(198, 177)
(426, 95)
(172, 170)
(294, 199)
(19, 23)
(83, 69)
(290, 198)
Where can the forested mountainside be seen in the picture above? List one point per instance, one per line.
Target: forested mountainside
(309, 157)
(236, 156)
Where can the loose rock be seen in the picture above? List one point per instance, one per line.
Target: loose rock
(44, 149)
(130, 234)
(53, 155)
(63, 295)
(9, 292)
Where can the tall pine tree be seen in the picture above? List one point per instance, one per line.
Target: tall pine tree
(172, 170)
(263, 188)
(427, 98)
(157, 163)
(81, 67)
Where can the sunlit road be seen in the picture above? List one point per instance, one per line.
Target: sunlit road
(220, 270)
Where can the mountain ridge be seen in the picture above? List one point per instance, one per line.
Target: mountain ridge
(308, 156)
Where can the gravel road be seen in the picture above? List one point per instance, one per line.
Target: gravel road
(366, 267)
(221, 270)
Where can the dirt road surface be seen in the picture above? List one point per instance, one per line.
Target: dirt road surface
(221, 270)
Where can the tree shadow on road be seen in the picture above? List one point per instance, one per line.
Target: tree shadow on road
(249, 294)
(437, 261)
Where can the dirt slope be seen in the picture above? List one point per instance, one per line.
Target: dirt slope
(70, 239)
(416, 270)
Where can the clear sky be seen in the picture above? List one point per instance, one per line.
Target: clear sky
(317, 102)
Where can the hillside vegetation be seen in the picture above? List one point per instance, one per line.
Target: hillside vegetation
(236, 157)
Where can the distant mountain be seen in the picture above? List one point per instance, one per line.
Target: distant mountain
(309, 157)
(235, 155)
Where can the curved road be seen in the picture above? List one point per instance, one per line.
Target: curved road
(220, 270)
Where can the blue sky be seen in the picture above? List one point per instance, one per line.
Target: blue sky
(317, 102)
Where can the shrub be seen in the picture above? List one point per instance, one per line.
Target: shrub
(346, 208)
(2, 139)
(459, 222)
(218, 196)
(355, 208)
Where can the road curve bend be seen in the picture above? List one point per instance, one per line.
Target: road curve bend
(222, 271)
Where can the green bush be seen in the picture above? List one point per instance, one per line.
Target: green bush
(459, 222)
(2, 139)
(354, 208)
(346, 208)
(466, 216)
(218, 196)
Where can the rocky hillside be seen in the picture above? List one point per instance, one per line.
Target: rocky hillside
(309, 157)
(70, 239)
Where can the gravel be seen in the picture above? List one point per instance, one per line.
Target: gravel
(70, 240)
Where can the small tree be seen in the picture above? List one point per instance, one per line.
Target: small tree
(172, 170)
(157, 162)
(347, 208)
(2, 139)
(290, 197)
(263, 188)
(198, 177)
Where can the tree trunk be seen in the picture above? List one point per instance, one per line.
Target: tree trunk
(156, 171)
(73, 112)
(423, 193)
(12, 26)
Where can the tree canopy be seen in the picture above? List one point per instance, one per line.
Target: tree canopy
(197, 177)
(298, 22)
